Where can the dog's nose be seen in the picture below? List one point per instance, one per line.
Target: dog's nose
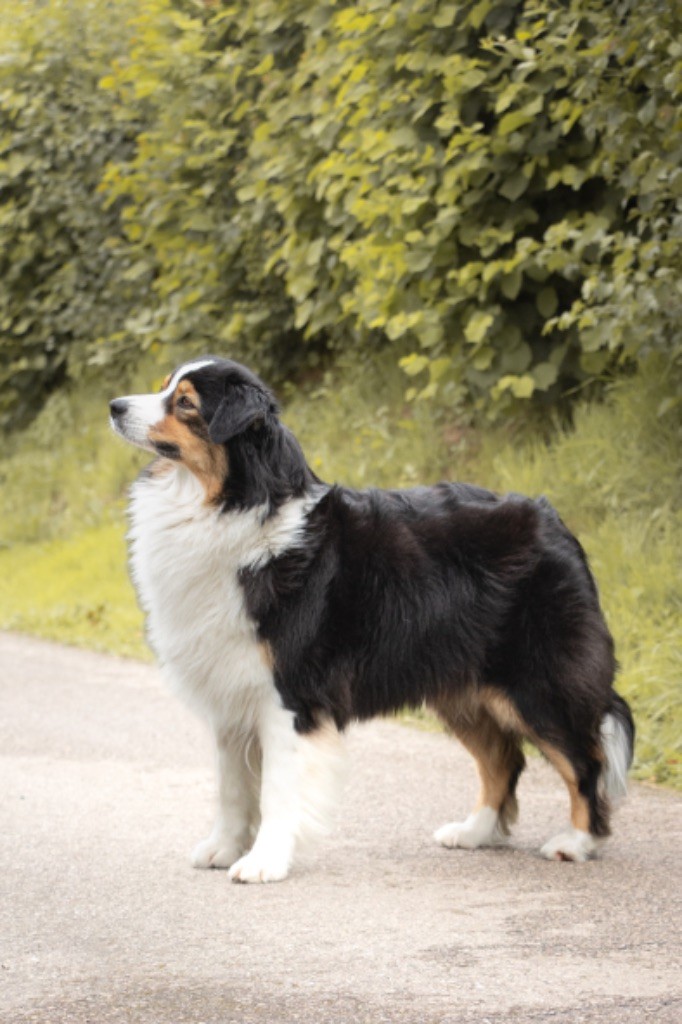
(117, 407)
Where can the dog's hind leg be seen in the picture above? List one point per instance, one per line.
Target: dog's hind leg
(593, 763)
(499, 760)
(591, 748)
(592, 755)
(589, 815)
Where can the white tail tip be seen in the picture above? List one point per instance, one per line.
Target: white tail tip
(617, 749)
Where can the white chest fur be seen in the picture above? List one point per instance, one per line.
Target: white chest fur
(185, 561)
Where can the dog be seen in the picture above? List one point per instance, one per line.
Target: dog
(282, 609)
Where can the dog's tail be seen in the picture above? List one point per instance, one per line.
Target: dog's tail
(618, 742)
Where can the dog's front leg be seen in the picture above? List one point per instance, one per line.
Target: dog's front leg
(270, 858)
(237, 804)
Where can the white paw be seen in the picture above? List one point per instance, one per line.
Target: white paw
(573, 844)
(218, 851)
(480, 829)
(259, 866)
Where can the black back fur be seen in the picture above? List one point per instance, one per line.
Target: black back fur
(394, 597)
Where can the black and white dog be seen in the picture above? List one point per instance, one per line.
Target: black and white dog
(283, 608)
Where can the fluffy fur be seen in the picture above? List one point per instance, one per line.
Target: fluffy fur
(282, 609)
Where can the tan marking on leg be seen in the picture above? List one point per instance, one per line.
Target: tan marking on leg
(492, 771)
(497, 754)
(506, 715)
(503, 711)
(580, 808)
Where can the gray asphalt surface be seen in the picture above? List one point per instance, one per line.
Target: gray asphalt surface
(107, 783)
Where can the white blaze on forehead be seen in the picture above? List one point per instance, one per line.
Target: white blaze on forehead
(183, 371)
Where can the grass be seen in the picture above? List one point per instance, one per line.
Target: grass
(614, 477)
(76, 591)
(356, 428)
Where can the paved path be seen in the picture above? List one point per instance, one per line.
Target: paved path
(106, 784)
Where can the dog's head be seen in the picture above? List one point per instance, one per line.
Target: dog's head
(216, 418)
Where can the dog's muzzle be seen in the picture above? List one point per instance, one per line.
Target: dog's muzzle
(118, 407)
(124, 424)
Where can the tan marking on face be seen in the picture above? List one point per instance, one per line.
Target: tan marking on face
(184, 428)
(186, 389)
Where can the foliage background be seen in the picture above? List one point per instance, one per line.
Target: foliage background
(450, 233)
(493, 189)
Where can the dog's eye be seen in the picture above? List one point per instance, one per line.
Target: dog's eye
(184, 402)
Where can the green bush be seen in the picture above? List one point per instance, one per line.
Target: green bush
(65, 272)
(493, 187)
(187, 228)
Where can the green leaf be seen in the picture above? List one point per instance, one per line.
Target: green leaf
(544, 375)
(508, 95)
(594, 362)
(516, 358)
(300, 286)
(547, 302)
(514, 186)
(478, 326)
(137, 270)
(314, 253)
(413, 364)
(483, 358)
(267, 63)
(517, 118)
(303, 313)
(439, 367)
(479, 12)
(510, 285)
(520, 387)
(445, 16)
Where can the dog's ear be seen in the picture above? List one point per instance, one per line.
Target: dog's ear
(240, 408)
